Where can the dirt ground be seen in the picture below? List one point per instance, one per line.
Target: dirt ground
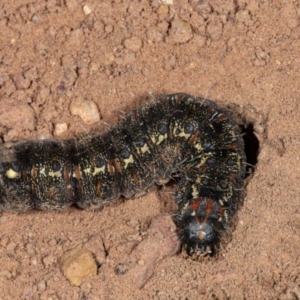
(56, 55)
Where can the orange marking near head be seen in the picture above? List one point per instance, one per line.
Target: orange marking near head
(117, 165)
(193, 138)
(66, 172)
(195, 204)
(233, 146)
(220, 210)
(209, 205)
(201, 235)
(221, 117)
(178, 98)
(98, 190)
(111, 169)
(77, 172)
(34, 172)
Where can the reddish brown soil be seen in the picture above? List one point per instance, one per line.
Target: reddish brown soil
(114, 54)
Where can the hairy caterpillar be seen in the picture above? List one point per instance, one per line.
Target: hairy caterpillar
(177, 134)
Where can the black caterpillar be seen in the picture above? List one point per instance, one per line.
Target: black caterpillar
(177, 134)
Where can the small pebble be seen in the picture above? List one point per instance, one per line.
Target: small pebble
(86, 9)
(21, 82)
(60, 129)
(49, 260)
(215, 29)
(133, 44)
(30, 248)
(35, 19)
(231, 42)
(6, 274)
(12, 134)
(258, 128)
(86, 110)
(108, 28)
(11, 247)
(42, 286)
(33, 261)
(52, 243)
(163, 10)
(3, 219)
(161, 242)
(77, 264)
(181, 32)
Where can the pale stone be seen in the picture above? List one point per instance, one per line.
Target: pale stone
(60, 129)
(86, 110)
(181, 32)
(77, 264)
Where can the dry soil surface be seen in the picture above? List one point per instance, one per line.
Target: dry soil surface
(61, 58)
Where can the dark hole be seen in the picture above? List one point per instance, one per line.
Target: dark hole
(251, 148)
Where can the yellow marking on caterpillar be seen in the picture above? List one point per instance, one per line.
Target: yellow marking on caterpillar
(128, 161)
(176, 126)
(226, 215)
(183, 134)
(144, 149)
(195, 192)
(229, 192)
(158, 140)
(99, 170)
(42, 171)
(198, 146)
(96, 170)
(53, 174)
(199, 179)
(181, 131)
(10, 173)
(203, 160)
(162, 138)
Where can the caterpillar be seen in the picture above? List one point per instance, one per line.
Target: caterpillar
(177, 134)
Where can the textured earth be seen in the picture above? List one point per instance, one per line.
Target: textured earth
(71, 68)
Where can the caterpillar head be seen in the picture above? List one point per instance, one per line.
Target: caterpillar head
(199, 237)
